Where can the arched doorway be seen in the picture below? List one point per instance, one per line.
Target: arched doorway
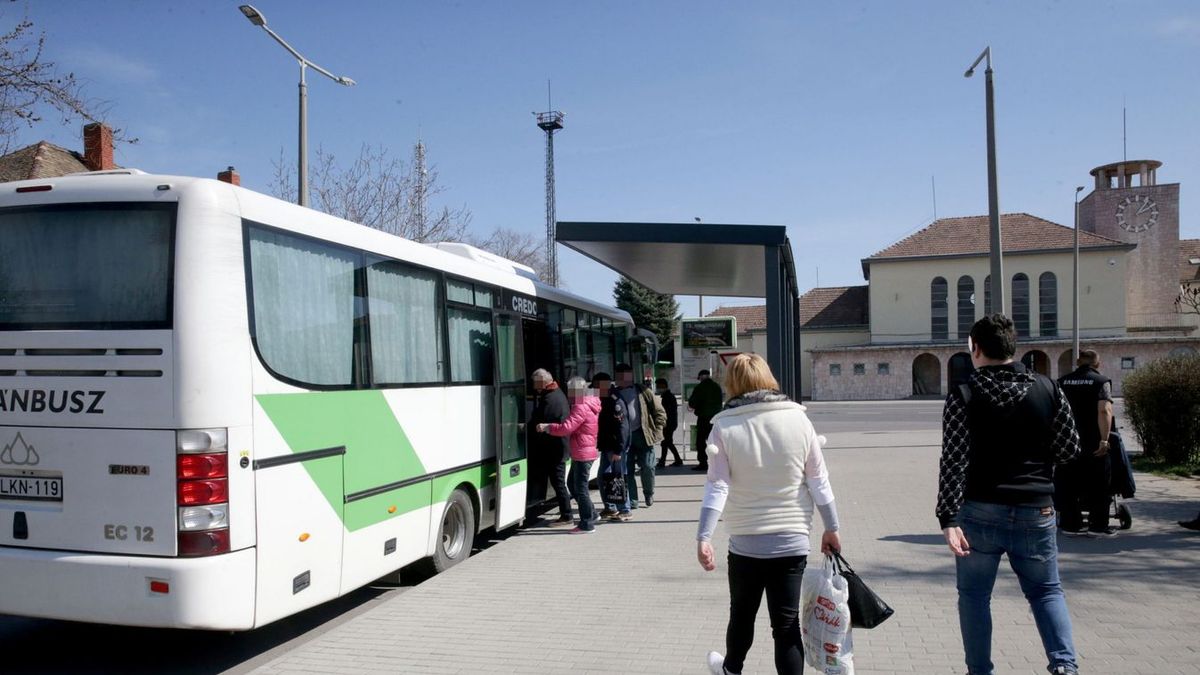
(959, 369)
(927, 375)
(1066, 362)
(1182, 351)
(1037, 361)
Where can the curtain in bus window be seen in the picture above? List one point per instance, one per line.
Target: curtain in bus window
(85, 268)
(303, 307)
(406, 321)
(506, 353)
(470, 346)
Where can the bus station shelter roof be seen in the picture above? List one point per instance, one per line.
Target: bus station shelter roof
(681, 258)
(706, 259)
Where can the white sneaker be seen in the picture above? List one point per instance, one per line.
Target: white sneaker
(716, 663)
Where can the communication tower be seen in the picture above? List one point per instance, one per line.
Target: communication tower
(417, 209)
(550, 122)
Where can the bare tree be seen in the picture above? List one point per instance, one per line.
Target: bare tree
(381, 191)
(519, 247)
(31, 86)
(376, 190)
(1188, 301)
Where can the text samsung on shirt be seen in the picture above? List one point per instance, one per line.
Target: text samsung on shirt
(60, 401)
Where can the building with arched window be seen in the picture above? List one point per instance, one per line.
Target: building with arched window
(893, 337)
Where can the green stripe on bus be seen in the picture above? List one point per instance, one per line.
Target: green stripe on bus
(368, 511)
(378, 451)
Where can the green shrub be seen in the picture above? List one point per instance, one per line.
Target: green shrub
(1162, 401)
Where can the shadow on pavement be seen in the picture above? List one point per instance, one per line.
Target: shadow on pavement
(50, 646)
(922, 539)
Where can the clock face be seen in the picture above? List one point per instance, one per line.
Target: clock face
(1137, 213)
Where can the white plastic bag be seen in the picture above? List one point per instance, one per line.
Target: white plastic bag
(825, 620)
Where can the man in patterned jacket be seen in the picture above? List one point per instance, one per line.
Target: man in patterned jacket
(1002, 435)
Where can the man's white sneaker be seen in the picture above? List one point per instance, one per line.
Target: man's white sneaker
(716, 663)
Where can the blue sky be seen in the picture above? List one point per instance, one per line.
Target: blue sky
(828, 117)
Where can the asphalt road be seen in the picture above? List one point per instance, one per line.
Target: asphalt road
(45, 646)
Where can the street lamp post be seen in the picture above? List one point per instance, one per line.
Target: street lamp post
(1075, 302)
(256, 17)
(993, 192)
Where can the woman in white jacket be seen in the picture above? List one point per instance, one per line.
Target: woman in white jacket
(767, 475)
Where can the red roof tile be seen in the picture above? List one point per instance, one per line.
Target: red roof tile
(749, 317)
(1189, 250)
(835, 307)
(40, 160)
(970, 236)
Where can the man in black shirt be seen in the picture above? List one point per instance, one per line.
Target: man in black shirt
(548, 454)
(671, 405)
(1084, 483)
(1002, 434)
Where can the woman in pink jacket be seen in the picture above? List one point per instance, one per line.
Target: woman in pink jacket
(583, 426)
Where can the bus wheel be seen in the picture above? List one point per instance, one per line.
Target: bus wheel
(457, 532)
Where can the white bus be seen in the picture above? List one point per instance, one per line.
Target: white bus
(218, 409)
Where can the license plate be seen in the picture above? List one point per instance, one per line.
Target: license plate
(31, 488)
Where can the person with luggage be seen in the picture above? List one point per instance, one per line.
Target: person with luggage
(1084, 484)
(613, 445)
(1003, 432)
(671, 405)
(767, 476)
(705, 401)
(582, 427)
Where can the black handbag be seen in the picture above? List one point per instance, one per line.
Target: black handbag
(612, 487)
(867, 610)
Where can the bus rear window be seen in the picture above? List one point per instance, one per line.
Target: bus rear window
(94, 266)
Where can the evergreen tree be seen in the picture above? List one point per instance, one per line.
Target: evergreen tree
(655, 312)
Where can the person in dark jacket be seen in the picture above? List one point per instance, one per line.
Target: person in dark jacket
(671, 405)
(1084, 483)
(706, 400)
(548, 454)
(612, 442)
(1002, 435)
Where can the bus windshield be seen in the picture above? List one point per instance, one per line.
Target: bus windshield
(91, 266)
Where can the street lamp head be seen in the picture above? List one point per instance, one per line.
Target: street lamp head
(253, 15)
(969, 72)
(1079, 189)
(346, 81)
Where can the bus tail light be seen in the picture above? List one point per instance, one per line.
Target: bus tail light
(208, 465)
(201, 492)
(193, 518)
(202, 475)
(206, 542)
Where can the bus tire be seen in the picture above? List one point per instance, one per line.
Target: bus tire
(456, 534)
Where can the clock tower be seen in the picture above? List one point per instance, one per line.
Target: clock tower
(1129, 205)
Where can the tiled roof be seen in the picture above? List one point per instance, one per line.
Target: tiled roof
(40, 160)
(1189, 249)
(970, 236)
(835, 307)
(751, 317)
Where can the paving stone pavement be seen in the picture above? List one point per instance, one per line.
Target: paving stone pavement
(632, 599)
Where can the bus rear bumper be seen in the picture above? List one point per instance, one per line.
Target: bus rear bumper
(211, 593)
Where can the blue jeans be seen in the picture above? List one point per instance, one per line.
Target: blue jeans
(641, 456)
(605, 463)
(578, 484)
(1027, 534)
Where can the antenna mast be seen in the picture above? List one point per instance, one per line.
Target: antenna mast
(417, 208)
(550, 122)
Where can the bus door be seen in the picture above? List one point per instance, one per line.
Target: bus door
(511, 465)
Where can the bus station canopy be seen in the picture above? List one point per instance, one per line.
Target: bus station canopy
(706, 259)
